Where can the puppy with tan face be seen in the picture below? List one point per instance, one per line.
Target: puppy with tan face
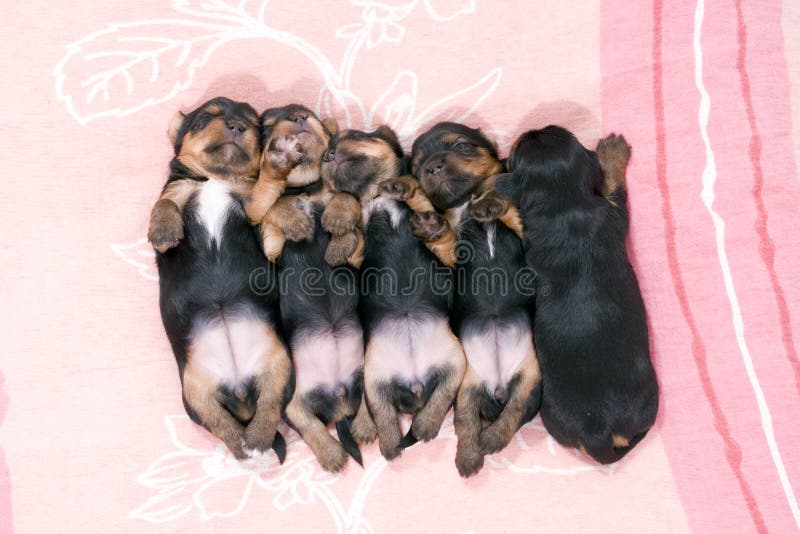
(233, 366)
(600, 389)
(455, 167)
(413, 362)
(319, 299)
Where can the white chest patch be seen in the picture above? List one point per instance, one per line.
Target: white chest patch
(491, 232)
(213, 202)
(383, 204)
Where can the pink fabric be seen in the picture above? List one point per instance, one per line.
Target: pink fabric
(92, 431)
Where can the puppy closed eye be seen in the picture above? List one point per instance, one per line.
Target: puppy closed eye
(464, 147)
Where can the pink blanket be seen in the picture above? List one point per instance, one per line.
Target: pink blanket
(92, 432)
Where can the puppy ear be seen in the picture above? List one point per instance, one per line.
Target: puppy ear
(331, 125)
(175, 126)
(387, 132)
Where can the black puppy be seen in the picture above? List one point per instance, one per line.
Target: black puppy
(318, 304)
(600, 390)
(501, 390)
(413, 363)
(234, 367)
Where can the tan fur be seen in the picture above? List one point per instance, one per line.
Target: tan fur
(437, 234)
(342, 214)
(467, 423)
(363, 427)
(428, 420)
(619, 441)
(200, 392)
(613, 154)
(329, 452)
(498, 434)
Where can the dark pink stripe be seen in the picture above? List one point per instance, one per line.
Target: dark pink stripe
(766, 244)
(733, 451)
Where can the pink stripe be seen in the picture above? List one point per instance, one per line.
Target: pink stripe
(767, 245)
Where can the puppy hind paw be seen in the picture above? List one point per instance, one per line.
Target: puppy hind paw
(363, 429)
(257, 439)
(491, 441)
(425, 428)
(468, 462)
(613, 151)
(332, 458)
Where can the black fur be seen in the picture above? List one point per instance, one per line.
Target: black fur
(590, 325)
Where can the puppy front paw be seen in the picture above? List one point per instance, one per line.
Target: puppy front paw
(488, 208)
(166, 226)
(428, 226)
(297, 226)
(397, 188)
(285, 152)
(468, 461)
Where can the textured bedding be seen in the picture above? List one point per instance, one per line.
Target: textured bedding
(93, 436)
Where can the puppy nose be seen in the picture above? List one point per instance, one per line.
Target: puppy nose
(328, 156)
(300, 118)
(236, 126)
(436, 168)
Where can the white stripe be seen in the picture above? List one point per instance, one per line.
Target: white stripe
(707, 195)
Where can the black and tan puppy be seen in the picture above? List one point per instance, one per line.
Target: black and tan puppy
(491, 314)
(600, 390)
(234, 367)
(318, 304)
(413, 362)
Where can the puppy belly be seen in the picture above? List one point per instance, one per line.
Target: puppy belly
(496, 352)
(409, 349)
(232, 350)
(327, 360)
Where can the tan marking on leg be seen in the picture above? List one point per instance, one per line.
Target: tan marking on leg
(613, 155)
(357, 257)
(341, 247)
(491, 206)
(498, 434)
(467, 422)
(166, 217)
(363, 427)
(272, 241)
(200, 391)
(383, 413)
(271, 384)
(329, 452)
(428, 420)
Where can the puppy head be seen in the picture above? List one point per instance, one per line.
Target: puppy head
(219, 138)
(314, 134)
(356, 161)
(451, 160)
(554, 159)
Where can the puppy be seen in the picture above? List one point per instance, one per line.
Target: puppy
(600, 390)
(318, 304)
(491, 313)
(233, 365)
(413, 362)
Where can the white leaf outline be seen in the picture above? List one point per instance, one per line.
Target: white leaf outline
(469, 9)
(141, 248)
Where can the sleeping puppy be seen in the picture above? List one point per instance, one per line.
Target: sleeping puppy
(318, 304)
(491, 314)
(600, 390)
(413, 362)
(233, 366)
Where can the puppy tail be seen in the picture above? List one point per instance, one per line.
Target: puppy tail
(408, 440)
(608, 453)
(347, 440)
(279, 446)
